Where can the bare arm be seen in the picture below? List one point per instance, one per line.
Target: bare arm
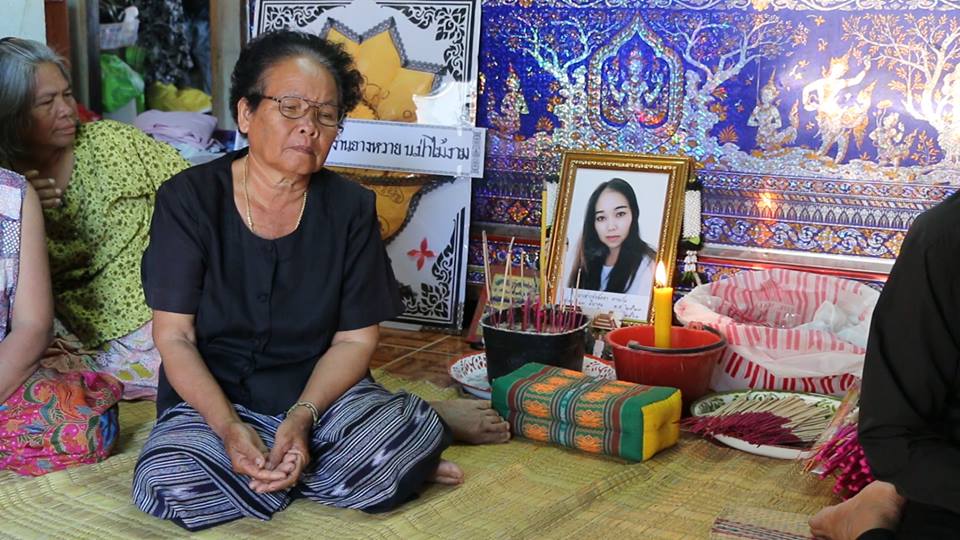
(175, 338)
(342, 366)
(861, 75)
(32, 321)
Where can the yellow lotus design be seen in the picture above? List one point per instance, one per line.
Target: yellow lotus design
(388, 93)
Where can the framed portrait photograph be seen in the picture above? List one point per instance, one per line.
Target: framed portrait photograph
(617, 216)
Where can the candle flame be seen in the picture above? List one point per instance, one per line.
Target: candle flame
(661, 275)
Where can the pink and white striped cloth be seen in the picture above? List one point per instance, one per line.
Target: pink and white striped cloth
(785, 330)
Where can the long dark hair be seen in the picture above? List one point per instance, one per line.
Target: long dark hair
(592, 252)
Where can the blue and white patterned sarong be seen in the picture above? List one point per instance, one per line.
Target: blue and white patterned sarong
(372, 450)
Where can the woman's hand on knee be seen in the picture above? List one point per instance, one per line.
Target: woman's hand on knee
(290, 453)
(247, 453)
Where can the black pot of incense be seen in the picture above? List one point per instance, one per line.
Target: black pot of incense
(552, 335)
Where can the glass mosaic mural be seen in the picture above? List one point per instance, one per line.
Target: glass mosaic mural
(820, 126)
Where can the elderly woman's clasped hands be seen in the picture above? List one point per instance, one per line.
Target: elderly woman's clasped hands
(272, 469)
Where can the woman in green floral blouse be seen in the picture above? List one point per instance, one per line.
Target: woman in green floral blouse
(97, 182)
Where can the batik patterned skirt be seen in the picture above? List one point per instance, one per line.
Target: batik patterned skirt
(63, 415)
(371, 450)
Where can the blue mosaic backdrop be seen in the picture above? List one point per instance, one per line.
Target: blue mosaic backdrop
(820, 126)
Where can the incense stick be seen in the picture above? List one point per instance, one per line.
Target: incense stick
(773, 420)
(576, 292)
(526, 300)
(486, 265)
(523, 262)
(542, 268)
(563, 255)
(506, 271)
(488, 307)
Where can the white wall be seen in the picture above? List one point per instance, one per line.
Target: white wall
(23, 18)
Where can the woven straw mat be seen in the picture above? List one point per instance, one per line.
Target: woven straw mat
(517, 490)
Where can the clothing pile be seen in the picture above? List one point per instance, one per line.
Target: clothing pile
(190, 133)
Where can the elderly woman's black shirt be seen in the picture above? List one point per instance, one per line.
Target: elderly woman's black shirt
(266, 310)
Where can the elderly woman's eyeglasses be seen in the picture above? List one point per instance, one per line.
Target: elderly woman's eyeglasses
(294, 107)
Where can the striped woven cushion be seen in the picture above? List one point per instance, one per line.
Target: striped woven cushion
(617, 418)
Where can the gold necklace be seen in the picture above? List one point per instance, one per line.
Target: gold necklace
(246, 197)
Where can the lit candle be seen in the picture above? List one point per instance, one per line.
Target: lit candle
(662, 309)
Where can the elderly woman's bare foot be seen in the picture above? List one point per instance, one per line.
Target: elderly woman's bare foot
(877, 506)
(473, 421)
(448, 473)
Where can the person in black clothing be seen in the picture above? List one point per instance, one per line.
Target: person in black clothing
(267, 278)
(910, 402)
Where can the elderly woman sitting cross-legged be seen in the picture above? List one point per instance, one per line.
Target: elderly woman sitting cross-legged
(268, 277)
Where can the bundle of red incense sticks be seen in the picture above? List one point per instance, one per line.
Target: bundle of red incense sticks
(534, 314)
(535, 317)
(768, 420)
(838, 451)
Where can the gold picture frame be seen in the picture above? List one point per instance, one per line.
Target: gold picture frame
(658, 184)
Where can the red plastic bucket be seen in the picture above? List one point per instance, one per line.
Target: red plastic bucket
(686, 365)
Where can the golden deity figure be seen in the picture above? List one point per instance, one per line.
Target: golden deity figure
(888, 138)
(637, 95)
(838, 120)
(512, 106)
(766, 118)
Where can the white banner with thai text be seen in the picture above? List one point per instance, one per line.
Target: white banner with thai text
(416, 148)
